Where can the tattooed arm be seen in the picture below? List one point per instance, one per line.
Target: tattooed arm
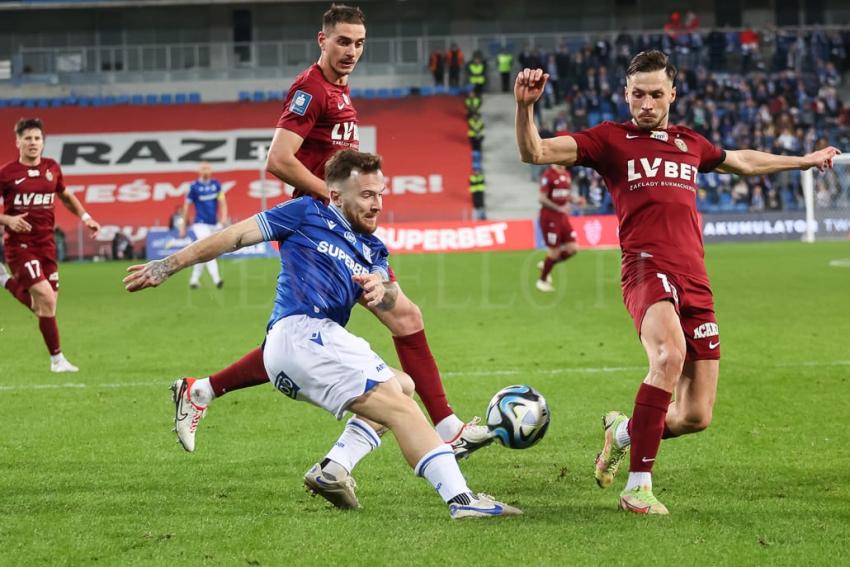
(156, 272)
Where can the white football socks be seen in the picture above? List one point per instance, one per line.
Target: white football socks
(201, 392)
(449, 427)
(621, 436)
(440, 468)
(637, 479)
(358, 439)
(212, 268)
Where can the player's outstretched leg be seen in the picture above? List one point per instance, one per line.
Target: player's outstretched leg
(423, 449)
(408, 328)
(614, 449)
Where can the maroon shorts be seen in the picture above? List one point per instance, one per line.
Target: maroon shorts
(30, 266)
(690, 296)
(556, 229)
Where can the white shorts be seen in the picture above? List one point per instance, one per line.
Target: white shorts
(202, 230)
(318, 361)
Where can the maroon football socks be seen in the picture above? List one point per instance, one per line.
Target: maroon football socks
(246, 372)
(50, 332)
(417, 361)
(646, 426)
(548, 264)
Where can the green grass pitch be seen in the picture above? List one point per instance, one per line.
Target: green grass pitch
(90, 473)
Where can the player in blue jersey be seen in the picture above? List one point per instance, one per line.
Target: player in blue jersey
(210, 215)
(330, 261)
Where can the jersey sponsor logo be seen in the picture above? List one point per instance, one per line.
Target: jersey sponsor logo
(300, 102)
(659, 136)
(19, 181)
(345, 132)
(208, 197)
(560, 193)
(336, 252)
(706, 330)
(33, 173)
(33, 199)
(680, 143)
(644, 169)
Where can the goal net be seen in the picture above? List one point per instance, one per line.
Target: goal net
(827, 199)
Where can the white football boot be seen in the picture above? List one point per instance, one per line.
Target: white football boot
(58, 363)
(187, 414)
(339, 492)
(470, 438)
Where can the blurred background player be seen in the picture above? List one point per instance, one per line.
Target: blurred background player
(555, 197)
(29, 186)
(318, 120)
(309, 354)
(650, 167)
(210, 215)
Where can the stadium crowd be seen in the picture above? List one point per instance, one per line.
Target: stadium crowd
(771, 90)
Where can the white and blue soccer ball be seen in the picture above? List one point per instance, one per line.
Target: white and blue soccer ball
(518, 416)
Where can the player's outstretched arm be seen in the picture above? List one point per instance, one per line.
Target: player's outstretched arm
(753, 162)
(154, 273)
(532, 148)
(283, 164)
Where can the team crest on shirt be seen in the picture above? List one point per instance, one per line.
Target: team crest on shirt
(680, 143)
(300, 102)
(349, 236)
(49, 175)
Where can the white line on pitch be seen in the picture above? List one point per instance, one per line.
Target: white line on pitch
(450, 374)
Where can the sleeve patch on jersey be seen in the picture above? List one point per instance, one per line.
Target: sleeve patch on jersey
(300, 102)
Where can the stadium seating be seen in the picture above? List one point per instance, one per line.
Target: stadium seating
(106, 100)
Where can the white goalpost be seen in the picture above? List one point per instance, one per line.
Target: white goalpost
(827, 199)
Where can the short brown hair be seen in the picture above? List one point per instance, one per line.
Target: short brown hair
(25, 124)
(342, 14)
(340, 166)
(649, 61)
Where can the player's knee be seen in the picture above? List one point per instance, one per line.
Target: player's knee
(696, 421)
(405, 319)
(670, 360)
(406, 383)
(44, 305)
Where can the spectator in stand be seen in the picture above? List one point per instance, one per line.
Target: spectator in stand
(454, 62)
(437, 66)
(476, 72)
(505, 61)
(749, 48)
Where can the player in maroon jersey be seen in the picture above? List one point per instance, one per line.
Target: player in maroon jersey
(318, 120)
(29, 186)
(650, 168)
(558, 234)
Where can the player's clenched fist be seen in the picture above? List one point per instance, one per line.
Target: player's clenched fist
(529, 86)
(821, 159)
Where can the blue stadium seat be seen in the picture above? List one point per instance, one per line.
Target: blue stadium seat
(383, 93)
(4, 103)
(273, 95)
(122, 99)
(181, 98)
(440, 89)
(194, 98)
(726, 201)
(166, 98)
(151, 99)
(593, 118)
(16, 102)
(369, 93)
(110, 100)
(355, 93)
(137, 99)
(42, 103)
(244, 96)
(259, 96)
(426, 91)
(400, 92)
(57, 102)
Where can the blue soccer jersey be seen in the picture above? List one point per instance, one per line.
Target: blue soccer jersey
(205, 195)
(319, 253)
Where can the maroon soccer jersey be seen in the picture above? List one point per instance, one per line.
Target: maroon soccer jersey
(322, 114)
(556, 185)
(31, 190)
(652, 177)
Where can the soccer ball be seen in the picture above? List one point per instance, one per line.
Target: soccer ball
(518, 416)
